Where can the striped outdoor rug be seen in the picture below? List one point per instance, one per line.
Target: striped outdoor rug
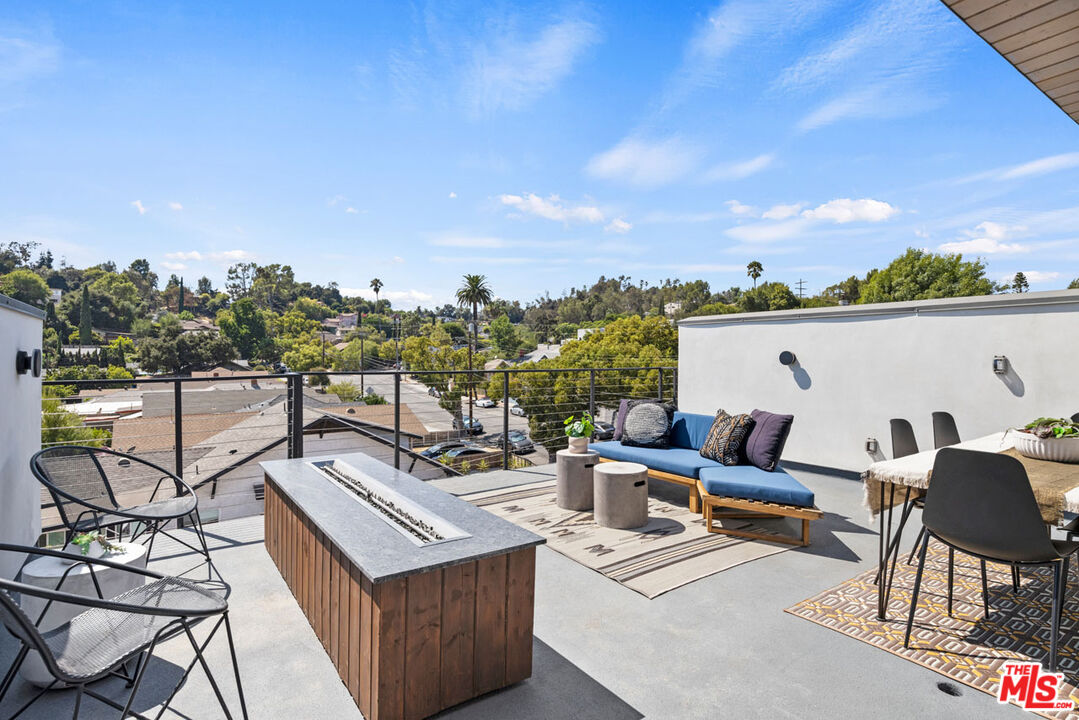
(673, 549)
(966, 647)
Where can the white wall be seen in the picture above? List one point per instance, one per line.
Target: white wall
(861, 365)
(20, 430)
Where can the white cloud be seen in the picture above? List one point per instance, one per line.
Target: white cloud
(351, 210)
(508, 72)
(231, 256)
(619, 226)
(645, 163)
(469, 241)
(189, 255)
(845, 210)
(397, 259)
(988, 238)
(782, 212)
(174, 266)
(137, 204)
(552, 208)
(768, 232)
(1042, 166)
(740, 170)
(405, 297)
(740, 209)
(660, 216)
(224, 257)
(23, 59)
(452, 195)
(485, 260)
(331, 202)
(175, 206)
(1034, 277)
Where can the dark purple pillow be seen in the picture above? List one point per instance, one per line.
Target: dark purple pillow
(764, 446)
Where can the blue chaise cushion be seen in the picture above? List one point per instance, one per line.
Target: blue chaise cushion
(752, 483)
(686, 462)
(690, 430)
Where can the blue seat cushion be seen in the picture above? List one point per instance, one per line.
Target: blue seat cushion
(751, 483)
(690, 430)
(679, 461)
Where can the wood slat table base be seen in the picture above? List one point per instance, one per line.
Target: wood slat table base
(411, 647)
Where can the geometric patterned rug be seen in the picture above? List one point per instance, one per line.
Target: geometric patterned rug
(965, 647)
(673, 549)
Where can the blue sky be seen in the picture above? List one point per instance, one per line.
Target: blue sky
(541, 144)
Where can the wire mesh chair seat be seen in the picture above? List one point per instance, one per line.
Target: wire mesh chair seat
(90, 487)
(109, 633)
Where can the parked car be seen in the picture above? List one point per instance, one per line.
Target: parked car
(517, 410)
(466, 451)
(485, 402)
(433, 392)
(604, 431)
(520, 444)
(474, 426)
(436, 450)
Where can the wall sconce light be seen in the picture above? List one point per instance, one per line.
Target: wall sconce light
(872, 446)
(787, 358)
(1000, 365)
(28, 362)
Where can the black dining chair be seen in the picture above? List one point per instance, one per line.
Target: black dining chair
(1075, 418)
(945, 432)
(903, 441)
(108, 635)
(86, 484)
(982, 504)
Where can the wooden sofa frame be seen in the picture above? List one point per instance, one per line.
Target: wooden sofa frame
(755, 509)
(691, 483)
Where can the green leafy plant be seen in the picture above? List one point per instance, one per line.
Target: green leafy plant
(582, 428)
(1052, 428)
(85, 540)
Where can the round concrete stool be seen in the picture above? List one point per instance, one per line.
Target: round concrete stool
(573, 473)
(621, 490)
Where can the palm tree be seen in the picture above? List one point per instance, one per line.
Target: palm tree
(475, 292)
(376, 285)
(754, 270)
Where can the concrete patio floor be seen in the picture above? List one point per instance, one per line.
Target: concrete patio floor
(718, 647)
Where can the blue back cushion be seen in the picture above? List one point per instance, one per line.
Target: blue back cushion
(690, 430)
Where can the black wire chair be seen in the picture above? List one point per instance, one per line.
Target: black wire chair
(86, 499)
(982, 504)
(102, 640)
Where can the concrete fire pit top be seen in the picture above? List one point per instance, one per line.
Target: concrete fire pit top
(377, 549)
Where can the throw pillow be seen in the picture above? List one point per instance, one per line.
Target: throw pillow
(726, 437)
(625, 406)
(647, 425)
(764, 446)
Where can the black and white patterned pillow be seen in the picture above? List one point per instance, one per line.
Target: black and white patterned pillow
(726, 436)
(648, 425)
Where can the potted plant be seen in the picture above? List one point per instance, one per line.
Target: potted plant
(1055, 439)
(92, 544)
(579, 432)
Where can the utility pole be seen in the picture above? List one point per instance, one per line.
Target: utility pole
(801, 289)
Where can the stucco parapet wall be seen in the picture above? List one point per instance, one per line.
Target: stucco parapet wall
(1031, 301)
(20, 306)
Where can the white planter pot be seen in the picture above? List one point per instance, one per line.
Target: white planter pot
(1065, 449)
(578, 445)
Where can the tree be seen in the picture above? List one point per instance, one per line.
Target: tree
(245, 326)
(345, 391)
(376, 285)
(174, 351)
(62, 427)
(239, 278)
(1074, 284)
(205, 287)
(1020, 283)
(768, 296)
(504, 336)
(26, 286)
(475, 292)
(86, 330)
(921, 275)
(180, 301)
(754, 270)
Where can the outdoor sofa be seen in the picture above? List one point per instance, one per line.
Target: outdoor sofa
(741, 490)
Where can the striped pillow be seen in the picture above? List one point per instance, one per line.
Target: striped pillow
(726, 437)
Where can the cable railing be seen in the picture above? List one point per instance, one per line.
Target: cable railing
(212, 432)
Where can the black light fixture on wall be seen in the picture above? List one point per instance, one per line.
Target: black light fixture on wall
(1000, 365)
(787, 358)
(28, 362)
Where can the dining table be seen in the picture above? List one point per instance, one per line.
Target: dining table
(900, 482)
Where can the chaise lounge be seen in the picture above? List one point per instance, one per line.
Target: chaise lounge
(744, 490)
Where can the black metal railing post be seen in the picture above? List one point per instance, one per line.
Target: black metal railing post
(295, 415)
(397, 419)
(592, 392)
(178, 425)
(505, 419)
(674, 386)
(661, 384)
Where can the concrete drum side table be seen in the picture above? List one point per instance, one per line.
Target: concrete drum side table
(573, 485)
(46, 572)
(621, 494)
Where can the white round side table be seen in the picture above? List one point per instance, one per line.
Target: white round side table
(46, 572)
